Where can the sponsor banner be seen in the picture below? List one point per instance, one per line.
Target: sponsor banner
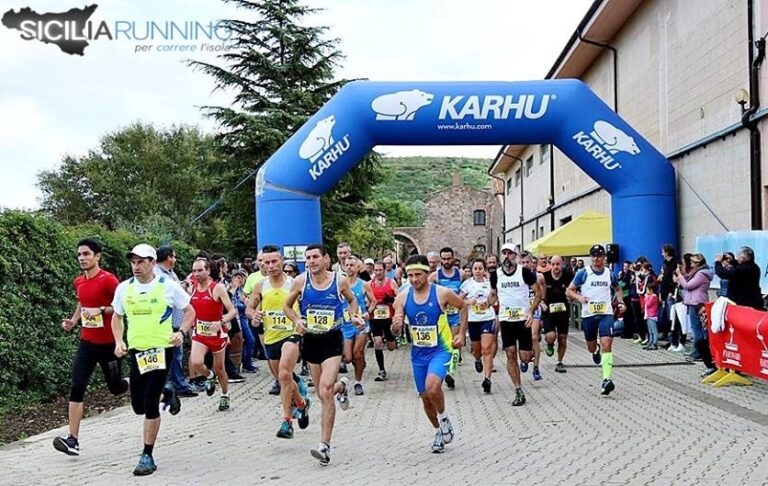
(605, 141)
(320, 147)
(743, 344)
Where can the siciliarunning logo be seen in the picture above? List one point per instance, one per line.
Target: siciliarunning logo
(72, 31)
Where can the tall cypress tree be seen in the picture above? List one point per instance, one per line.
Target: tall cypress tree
(280, 72)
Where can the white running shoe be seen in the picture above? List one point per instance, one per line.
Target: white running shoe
(343, 396)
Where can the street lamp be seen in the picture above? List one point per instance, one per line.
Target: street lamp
(742, 98)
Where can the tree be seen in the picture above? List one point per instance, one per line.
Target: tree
(367, 237)
(281, 72)
(398, 213)
(140, 179)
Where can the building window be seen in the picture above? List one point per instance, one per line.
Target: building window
(541, 231)
(517, 177)
(509, 185)
(565, 220)
(529, 166)
(533, 234)
(544, 153)
(479, 217)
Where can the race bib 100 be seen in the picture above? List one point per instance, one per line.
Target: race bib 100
(203, 328)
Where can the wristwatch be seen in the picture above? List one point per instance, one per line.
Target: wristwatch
(102, 309)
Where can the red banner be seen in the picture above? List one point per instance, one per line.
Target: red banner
(743, 343)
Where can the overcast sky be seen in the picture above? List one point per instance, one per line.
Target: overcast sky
(53, 103)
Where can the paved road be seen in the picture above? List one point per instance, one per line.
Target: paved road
(661, 426)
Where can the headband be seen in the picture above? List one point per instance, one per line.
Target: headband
(417, 266)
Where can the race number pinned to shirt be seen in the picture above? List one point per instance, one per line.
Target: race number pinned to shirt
(203, 328)
(512, 313)
(347, 315)
(450, 310)
(277, 321)
(557, 307)
(424, 336)
(599, 308)
(94, 319)
(320, 320)
(151, 360)
(381, 312)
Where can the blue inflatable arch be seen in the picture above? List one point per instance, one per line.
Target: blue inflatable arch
(566, 113)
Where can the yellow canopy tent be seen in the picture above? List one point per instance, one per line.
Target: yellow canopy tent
(574, 237)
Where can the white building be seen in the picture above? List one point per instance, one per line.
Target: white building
(676, 70)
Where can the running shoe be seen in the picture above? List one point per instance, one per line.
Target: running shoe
(250, 369)
(438, 444)
(188, 393)
(596, 356)
(343, 396)
(304, 370)
(170, 400)
(639, 340)
(223, 404)
(234, 379)
(560, 368)
(450, 381)
(536, 373)
(644, 341)
(343, 368)
(210, 385)
(146, 466)
(382, 376)
(519, 398)
(302, 414)
(478, 366)
(69, 446)
(359, 389)
(486, 385)
(310, 383)
(607, 387)
(523, 366)
(446, 430)
(286, 430)
(275, 390)
(322, 454)
(550, 350)
(705, 374)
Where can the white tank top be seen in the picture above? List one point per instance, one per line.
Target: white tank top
(597, 288)
(479, 291)
(513, 295)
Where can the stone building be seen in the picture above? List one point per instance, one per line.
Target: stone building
(686, 75)
(466, 219)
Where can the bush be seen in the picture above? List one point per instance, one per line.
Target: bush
(37, 267)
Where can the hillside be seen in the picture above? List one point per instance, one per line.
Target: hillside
(409, 179)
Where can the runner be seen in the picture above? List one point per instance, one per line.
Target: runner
(281, 339)
(321, 293)
(433, 342)
(95, 290)
(556, 317)
(449, 276)
(390, 269)
(479, 298)
(354, 338)
(434, 261)
(516, 313)
(147, 300)
(532, 263)
(384, 291)
(209, 300)
(592, 287)
(492, 264)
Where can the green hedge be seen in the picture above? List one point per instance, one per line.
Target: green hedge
(37, 266)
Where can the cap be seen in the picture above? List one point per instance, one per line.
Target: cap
(240, 272)
(510, 247)
(596, 250)
(369, 261)
(142, 250)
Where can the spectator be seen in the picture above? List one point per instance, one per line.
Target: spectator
(728, 259)
(695, 282)
(626, 280)
(651, 315)
(667, 288)
(579, 264)
(241, 302)
(743, 278)
(290, 270)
